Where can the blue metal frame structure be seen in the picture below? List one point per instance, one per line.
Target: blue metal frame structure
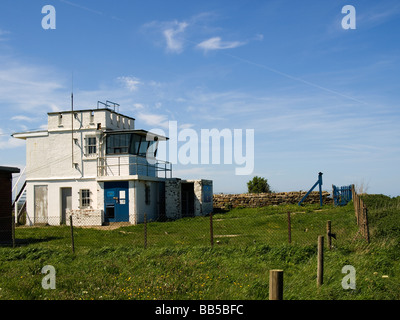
(319, 182)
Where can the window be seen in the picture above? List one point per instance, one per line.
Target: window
(147, 194)
(123, 143)
(91, 145)
(135, 144)
(60, 119)
(118, 143)
(143, 147)
(84, 198)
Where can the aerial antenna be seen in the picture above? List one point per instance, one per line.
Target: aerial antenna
(72, 119)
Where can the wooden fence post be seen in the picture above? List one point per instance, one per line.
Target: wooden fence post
(366, 227)
(361, 213)
(72, 234)
(145, 230)
(320, 267)
(358, 209)
(13, 230)
(328, 233)
(356, 202)
(289, 228)
(276, 285)
(211, 231)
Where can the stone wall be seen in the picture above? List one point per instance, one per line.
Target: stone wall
(254, 200)
(173, 198)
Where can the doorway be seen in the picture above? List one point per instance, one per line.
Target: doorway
(116, 201)
(41, 204)
(187, 192)
(66, 203)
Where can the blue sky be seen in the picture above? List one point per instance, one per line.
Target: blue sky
(319, 97)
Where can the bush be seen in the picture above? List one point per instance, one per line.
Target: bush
(258, 185)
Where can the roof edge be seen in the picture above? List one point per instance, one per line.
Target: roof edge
(89, 110)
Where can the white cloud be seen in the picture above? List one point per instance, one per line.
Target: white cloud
(43, 127)
(138, 106)
(23, 118)
(176, 33)
(131, 83)
(10, 142)
(186, 126)
(173, 36)
(154, 120)
(28, 87)
(259, 37)
(2, 34)
(216, 43)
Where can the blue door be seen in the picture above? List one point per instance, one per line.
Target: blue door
(116, 201)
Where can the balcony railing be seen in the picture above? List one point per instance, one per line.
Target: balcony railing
(127, 165)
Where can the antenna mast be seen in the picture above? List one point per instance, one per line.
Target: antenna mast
(72, 120)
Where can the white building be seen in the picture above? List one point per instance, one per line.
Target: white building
(95, 165)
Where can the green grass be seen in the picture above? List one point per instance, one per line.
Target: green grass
(179, 262)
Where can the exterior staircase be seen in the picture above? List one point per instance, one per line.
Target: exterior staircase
(19, 203)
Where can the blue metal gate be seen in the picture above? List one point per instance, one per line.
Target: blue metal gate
(116, 201)
(341, 195)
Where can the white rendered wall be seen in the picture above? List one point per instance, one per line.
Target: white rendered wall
(54, 197)
(150, 209)
(89, 119)
(52, 154)
(132, 202)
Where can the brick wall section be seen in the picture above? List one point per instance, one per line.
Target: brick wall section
(5, 206)
(6, 203)
(254, 200)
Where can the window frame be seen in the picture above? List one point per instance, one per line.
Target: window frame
(147, 191)
(90, 148)
(85, 198)
(134, 144)
(116, 146)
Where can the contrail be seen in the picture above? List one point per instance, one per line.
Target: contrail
(89, 9)
(82, 7)
(295, 78)
(288, 76)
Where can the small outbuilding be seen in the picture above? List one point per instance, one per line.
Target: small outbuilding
(6, 202)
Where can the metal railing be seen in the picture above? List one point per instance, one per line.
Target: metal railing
(126, 165)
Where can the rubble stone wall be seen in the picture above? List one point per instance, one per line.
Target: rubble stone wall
(254, 200)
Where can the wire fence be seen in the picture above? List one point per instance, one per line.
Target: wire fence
(237, 227)
(287, 235)
(361, 213)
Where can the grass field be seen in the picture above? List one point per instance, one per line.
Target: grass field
(179, 262)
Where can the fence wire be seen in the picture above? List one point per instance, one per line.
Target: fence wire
(282, 237)
(238, 227)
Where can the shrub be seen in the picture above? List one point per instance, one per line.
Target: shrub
(258, 185)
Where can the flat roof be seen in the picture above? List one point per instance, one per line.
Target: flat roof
(140, 132)
(90, 110)
(10, 169)
(28, 134)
